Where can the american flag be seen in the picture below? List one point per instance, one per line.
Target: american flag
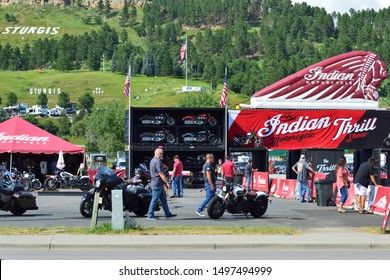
(127, 86)
(224, 94)
(183, 51)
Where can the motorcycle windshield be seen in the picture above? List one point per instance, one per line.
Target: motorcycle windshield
(107, 176)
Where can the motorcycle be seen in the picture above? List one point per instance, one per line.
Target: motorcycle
(236, 200)
(29, 180)
(201, 119)
(386, 141)
(136, 198)
(247, 139)
(200, 137)
(63, 179)
(141, 177)
(15, 198)
(158, 120)
(158, 136)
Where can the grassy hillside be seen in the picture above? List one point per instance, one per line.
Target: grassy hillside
(145, 91)
(68, 19)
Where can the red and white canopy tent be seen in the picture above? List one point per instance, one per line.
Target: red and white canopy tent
(20, 136)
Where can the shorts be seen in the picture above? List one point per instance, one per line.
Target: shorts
(361, 190)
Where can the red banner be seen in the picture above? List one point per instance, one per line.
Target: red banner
(381, 200)
(286, 188)
(299, 129)
(259, 181)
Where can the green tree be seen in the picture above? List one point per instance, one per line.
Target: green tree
(124, 16)
(63, 100)
(105, 128)
(50, 127)
(86, 102)
(64, 126)
(148, 67)
(107, 9)
(3, 115)
(197, 100)
(42, 99)
(12, 99)
(100, 6)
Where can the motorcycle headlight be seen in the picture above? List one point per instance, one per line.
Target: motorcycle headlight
(97, 183)
(224, 189)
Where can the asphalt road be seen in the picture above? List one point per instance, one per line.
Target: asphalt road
(62, 209)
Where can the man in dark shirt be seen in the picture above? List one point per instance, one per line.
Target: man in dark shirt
(364, 177)
(248, 175)
(157, 180)
(210, 179)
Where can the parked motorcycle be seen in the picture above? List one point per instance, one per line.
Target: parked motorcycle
(386, 141)
(141, 177)
(159, 119)
(136, 199)
(247, 139)
(234, 199)
(201, 119)
(15, 198)
(158, 136)
(63, 179)
(200, 137)
(29, 180)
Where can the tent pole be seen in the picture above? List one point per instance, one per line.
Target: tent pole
(10, 162)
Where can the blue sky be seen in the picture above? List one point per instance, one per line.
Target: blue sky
(343, 6)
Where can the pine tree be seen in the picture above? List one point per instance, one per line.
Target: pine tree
(148, 67)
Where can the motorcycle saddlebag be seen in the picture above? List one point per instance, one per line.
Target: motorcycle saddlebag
(25, 200)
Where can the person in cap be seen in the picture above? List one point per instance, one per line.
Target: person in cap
(364, 177)
(177, 177)
(302, 169)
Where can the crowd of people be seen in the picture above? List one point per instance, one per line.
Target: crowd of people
(227, 171)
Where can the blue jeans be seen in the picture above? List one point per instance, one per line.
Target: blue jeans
(303, 189)
(158, 193)
(343, 195)
(177, 186)
(248, 183)
(209, 195)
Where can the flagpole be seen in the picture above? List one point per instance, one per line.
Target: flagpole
(226, 121)
(186, 63)
(129, 122)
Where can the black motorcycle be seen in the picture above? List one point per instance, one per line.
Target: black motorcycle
(159, 119)
(136, 198)
(141, 177)
(234, 199)
(200, 137)
(16, 199)
(158, 136)
(201, 119)
(248, 139)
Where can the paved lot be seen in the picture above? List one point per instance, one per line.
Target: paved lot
(62, 209)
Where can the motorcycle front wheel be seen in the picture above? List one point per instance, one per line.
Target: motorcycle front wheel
(216, 207)
(212, 121)
(85, 185)
(36, 185)
(170, 121)
(212, 139)
(86, 206)
(258, 209)
(50, 184)
(170, 138)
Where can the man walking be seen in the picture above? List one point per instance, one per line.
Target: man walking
(177, 177)
(364, 177)
(210, 179)
(303, 169)
(248, 175)
(157, 180)
(228, 170)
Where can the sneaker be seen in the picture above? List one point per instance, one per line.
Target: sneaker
(171, 215)
(342, 211)
(152, 218)
(200, 213)
(172, 196)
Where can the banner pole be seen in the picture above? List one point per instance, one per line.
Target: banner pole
(129, 122)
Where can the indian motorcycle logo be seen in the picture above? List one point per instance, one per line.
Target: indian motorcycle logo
(22, 138)
(276, 127)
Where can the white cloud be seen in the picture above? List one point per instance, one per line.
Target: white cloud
(343, 6)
